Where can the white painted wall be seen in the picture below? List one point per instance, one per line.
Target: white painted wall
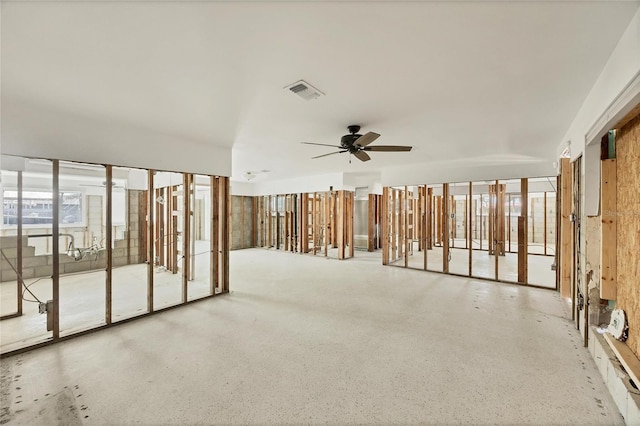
(316, 183)
(37, 132)
(431, 173)
(620, 71)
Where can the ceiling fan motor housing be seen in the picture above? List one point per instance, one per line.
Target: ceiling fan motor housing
(347, 140)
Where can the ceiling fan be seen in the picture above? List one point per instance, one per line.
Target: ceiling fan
(357, 144)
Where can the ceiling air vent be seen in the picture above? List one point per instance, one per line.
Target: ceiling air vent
(304, 90)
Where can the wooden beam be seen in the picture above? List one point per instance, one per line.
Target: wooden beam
(385, 225)
(109, 242)
(151, 236)
(351, 240)
(523, 234)
(55, 230)
(608, 239)
(225, 199)
(405, 230)
(19, 278)
(371, 222)
(214, 234)
(445, 227)
(565, 252)
(470, 235)
(544, 224)
(496, 226)
(186, 234)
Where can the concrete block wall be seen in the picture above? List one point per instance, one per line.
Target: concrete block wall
(618, 382)
(41, 265)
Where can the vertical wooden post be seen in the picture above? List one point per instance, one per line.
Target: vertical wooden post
(394, 225)
(424, 232)
(214, 235)
(19, 280)
(351, 240)
(405, 229)
(565, 259)
(55, 230)
(509, 222)
(544, 241)
(371, 222)
(150, 241)
(445, 227)
(430, 218)
(523, 237)
(340, 224)
(326, 198)
(608, 239)
(186, 234)
(470, 235)
(225, 200)
(496, 233)
(481, 219)
(109, 243)
(385, 225)
(466, 227)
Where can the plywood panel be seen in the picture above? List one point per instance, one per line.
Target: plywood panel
(608, 230)
(628, 229)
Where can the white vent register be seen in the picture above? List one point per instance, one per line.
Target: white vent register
(304, 90)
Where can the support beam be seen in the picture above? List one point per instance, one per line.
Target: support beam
(608, 239)
(469, 233)
(19, 279)
(109, 242)
(55, 230)
(186, 234)
(385, 225)
(523, 233)
(150, 241)
(445, 228)
(565, 252)
(214, 235)
(225, 200)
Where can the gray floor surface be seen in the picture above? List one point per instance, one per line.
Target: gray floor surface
(311, 340)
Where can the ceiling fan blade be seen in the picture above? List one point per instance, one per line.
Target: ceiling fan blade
(321, 144)
(362, 156)
(388, 148)
(331, 153)
(366, 139)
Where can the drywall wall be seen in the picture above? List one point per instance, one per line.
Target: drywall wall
(628, 228)
(415, 174)
(619, 80)
(35, 131)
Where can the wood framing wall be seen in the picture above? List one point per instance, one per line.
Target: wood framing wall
(312, 223)
(154, 219)
(627, 214)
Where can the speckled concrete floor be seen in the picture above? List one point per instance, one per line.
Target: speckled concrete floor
(309, 340)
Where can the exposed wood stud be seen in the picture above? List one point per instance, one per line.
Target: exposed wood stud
(109, 241)
(608, 239)
(19, 279)
(565, 252)
(470, 236)
(445, 227)
(150, 241)
(56, 249)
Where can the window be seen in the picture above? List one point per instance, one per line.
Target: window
(37, 208)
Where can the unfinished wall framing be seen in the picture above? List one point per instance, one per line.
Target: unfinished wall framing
(94, 245)
(489, 229)
(319, 223)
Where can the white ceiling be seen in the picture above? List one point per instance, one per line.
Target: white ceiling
(470, 81)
